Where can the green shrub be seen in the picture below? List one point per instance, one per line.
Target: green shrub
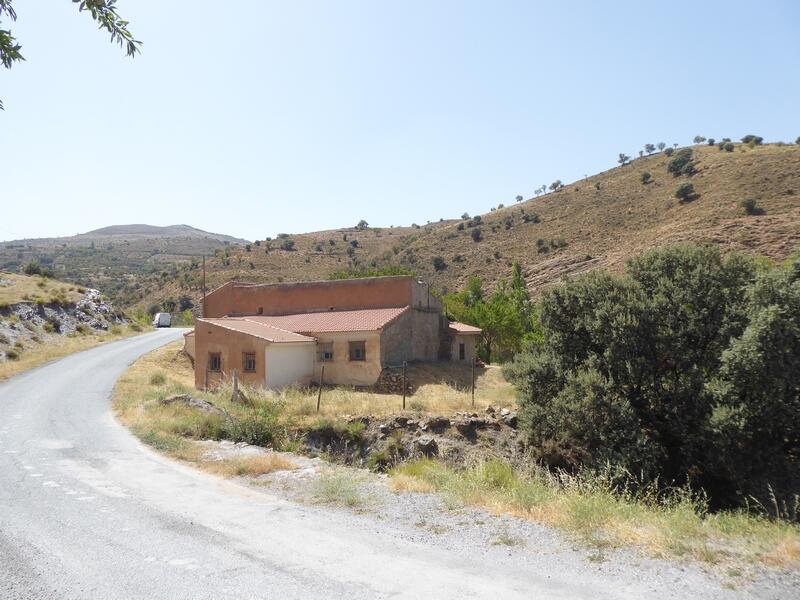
(752, 140)
(728, 147)
(669, 151)
(12, 354)
(682, 163)
(158, 378)
(684, 370)
(476, 234)
(646, 177)
(259, 426)
(685, 192)
(439, 264)
(135, 327)
(750, 206)
(287, 245)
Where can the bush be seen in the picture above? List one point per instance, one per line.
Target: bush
(460, 227)
(185, 303)
(12, 354)
(797, 141)
(752, 140)
(158, 379)
(684, 370)
(682, 164)
(728, 147)
(259, 426)
(288, 245)
(476, 234)
(699, 139)
(751, 207)
(362, 224)
(439, 264)
(668, 151)
(685, 192)
(711, 141)
(646, 177)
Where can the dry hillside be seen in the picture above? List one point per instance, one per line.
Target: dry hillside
(596, 222)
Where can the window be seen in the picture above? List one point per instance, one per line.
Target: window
(249, 362)
(462, 353)
(214, 361)
(260, 310)
(358, 351)
(326, 352)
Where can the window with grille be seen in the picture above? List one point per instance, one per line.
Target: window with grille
(358, 351)
(326, 352)
(249, 362)
(214, 361)
(462, 352)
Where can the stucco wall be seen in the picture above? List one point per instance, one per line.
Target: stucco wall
(289, 298)
(470, 343)
(341, 370)
(231, 346)
(188, 345)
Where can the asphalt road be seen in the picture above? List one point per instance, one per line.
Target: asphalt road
(86, 511)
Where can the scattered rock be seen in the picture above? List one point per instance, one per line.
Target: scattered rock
(427, 445)
(197, 403)
(435, 424)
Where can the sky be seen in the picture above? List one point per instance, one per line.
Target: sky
(257, 117)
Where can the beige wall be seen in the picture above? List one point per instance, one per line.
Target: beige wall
(470, 342)
(412, 336)
(188, 345)
(341, 370)
(231, 345)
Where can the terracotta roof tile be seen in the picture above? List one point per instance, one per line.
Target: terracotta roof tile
(297, 328)
(259, 330)
(370, 319)
(464, 328)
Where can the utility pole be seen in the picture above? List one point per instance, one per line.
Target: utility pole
(204, 286)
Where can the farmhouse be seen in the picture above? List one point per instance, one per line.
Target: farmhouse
(281, 334)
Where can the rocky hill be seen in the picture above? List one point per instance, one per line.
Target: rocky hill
(596, 222)
(34, 310)
(111, 257)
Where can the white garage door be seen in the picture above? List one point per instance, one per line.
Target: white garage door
(288, 364)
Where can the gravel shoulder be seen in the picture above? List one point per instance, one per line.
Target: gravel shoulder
(507, 543)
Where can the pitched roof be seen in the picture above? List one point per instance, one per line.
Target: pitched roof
(259, 330)
(463, 327)
(290, 328)
(368, 319)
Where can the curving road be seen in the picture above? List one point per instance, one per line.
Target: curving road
(87, 512)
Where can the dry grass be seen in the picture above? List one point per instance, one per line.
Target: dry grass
(590, 510)
(247, 466)
(58, 347)
(174, 429)
(440, 392)
(33, 288)
(604, 219)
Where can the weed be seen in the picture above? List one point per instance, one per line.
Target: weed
(158, 378)
(340, 487)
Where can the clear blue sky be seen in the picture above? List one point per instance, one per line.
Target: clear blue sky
(256, 117)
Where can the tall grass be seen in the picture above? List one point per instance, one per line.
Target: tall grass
(592, 509)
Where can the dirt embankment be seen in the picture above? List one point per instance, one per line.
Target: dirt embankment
(381, 442)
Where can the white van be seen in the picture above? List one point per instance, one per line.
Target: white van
(162, 320)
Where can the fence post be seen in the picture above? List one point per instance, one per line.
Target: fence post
(319, 392)
(235, 396)
(473, 382)
(405, 363)
(205, 385)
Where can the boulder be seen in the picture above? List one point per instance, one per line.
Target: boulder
(435, 424)
(197, 403)
(427, 445)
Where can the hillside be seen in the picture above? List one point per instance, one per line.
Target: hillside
(110, 257)
(596, 222)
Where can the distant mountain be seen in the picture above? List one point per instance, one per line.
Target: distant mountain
(111, 257)
(168, 231)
